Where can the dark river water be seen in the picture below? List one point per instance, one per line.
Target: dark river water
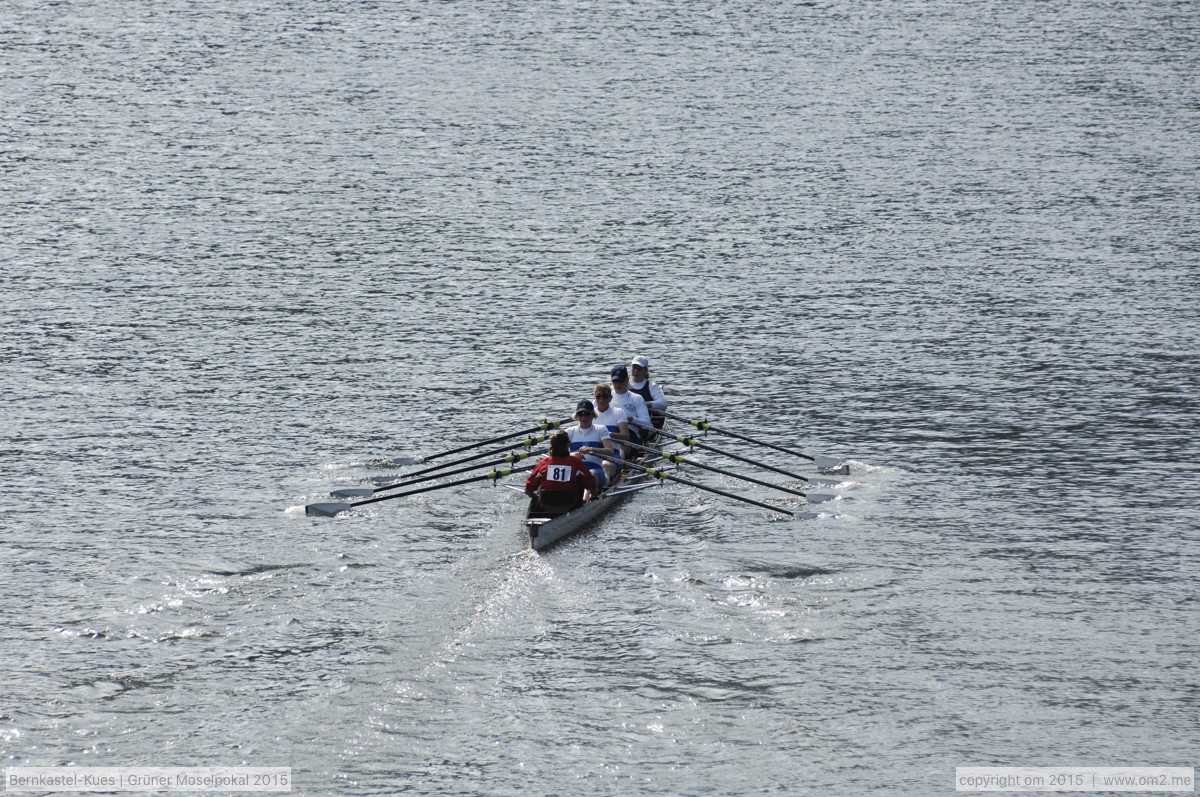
(252, 249)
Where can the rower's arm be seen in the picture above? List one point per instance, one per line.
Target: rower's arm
(644, 415)
(658, 400)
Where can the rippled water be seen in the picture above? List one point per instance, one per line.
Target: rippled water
(252, 248)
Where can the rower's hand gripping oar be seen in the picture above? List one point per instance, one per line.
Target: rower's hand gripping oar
(410, 478)
(330, 509)
(660, 474)
(822, 463)
(812, 498)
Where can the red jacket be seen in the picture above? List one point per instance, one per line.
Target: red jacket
(560, 473)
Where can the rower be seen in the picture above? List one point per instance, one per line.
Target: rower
(633, 404)
(652, 392)
(587, 439)
(615, 419)
(559, 480)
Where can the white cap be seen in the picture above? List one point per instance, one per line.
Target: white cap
(642, 361)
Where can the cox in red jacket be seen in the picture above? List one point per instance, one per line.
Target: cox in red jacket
(562, 474)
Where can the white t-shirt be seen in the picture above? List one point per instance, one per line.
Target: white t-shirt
(633, 404)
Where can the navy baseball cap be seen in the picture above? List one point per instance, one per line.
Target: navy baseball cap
(619, 373)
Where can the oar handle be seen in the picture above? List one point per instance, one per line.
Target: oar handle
(705, 426)
(544, 426)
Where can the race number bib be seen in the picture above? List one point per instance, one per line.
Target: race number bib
(558, 473)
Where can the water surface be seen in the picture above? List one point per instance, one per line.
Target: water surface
(251, 248)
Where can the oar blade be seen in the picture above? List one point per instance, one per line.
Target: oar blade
(404, 462)
(822, 498)
(830, 465)
(327, 509)
(353, 492)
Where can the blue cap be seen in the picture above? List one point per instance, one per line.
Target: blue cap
(619, 373)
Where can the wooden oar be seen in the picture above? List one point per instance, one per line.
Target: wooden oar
(813, 498)
(409, 478)
(692, 442)
(544, 426)
(822, 463)
(330, 509)
(660, 474)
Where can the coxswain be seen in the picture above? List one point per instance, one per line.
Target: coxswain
(633, 404)
(588, 439)
(652, 392)
(562, 479)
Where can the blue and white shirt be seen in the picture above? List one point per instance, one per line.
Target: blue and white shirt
(593, 437)
(612, 418)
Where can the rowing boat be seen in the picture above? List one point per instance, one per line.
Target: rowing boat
(547, 528)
